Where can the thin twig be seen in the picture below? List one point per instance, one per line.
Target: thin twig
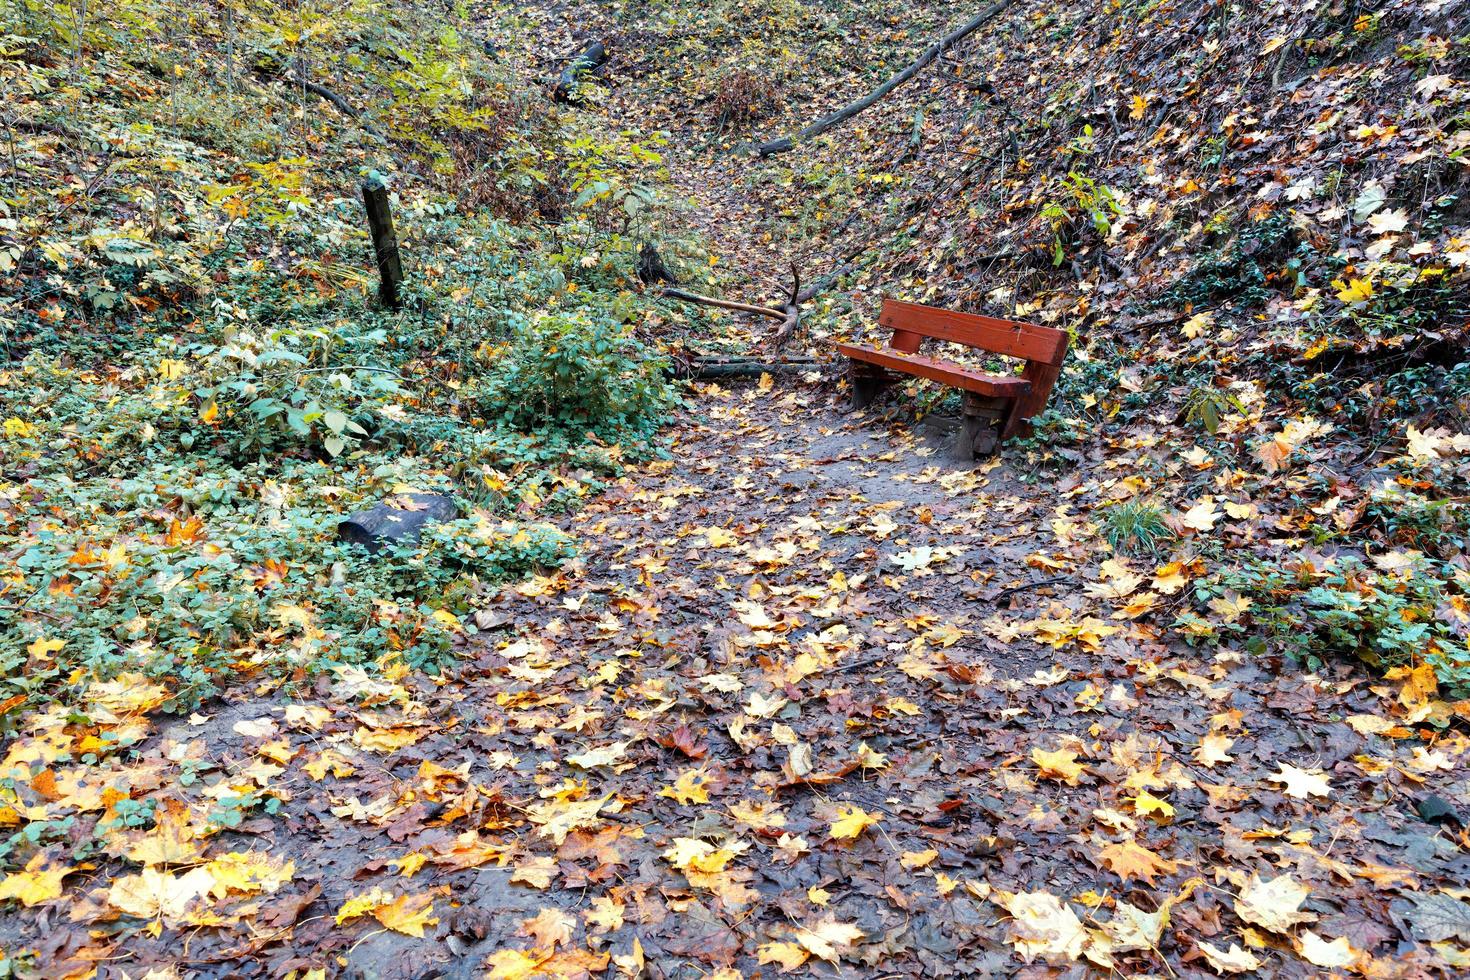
(1004, 593)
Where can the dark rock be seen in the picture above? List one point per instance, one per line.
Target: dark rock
(397, 521)
(1436, 809)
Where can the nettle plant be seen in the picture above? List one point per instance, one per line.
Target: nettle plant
(612, 180)
(305, 384)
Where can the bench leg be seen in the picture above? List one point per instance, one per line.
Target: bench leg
(866, 382)
(981, 433)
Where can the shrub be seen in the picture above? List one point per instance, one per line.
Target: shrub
(1081, 202)
(742, 96)
(195, 573)
(576, 372)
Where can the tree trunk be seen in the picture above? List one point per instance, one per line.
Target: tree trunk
(588, 60)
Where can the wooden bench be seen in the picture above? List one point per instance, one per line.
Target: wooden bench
(995, 407)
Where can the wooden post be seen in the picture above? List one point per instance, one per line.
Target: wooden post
(385, 242)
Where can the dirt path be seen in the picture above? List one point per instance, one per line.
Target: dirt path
(788, 708)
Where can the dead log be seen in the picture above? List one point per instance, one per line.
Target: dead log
(872, 98)
(321, 92)
(712, 368)
(397, 521)
(590, 59)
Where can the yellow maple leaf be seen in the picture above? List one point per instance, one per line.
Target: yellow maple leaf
(689, 787)
(535, 871)
(827, 938)
(1198, 324)
(159, 894)
(1335, 955)
(762, 815)
(1202, 516)
(718, 537)
(1129, 860)
(1043, 925)
(359, 905)
(408, 914)
(1061, 765)
(39, 883)
(1274, 905)
(918, 859)
(42, 648)
(605, 914)
(1170, 578)
(1354, 290)
(1302, 783)
(788, 956)
(249, 872)
(516, 964)
(408, 865)
(1214, 749)
(329, 761)
(851, 821)
(385, 739)
(1235, 960)
(693, 854)
(1149, 805)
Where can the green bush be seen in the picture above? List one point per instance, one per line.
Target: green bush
(576, 372)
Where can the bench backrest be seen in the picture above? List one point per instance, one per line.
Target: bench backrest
(911, 323)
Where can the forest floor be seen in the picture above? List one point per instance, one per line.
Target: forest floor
(813, 692)
(812, 698)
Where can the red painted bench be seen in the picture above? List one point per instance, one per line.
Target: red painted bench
(995, 407)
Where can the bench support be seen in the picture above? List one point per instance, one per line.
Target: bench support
(867, 382)
(985, 423)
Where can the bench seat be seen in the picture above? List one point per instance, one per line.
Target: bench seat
(994, 407)
(938, 369)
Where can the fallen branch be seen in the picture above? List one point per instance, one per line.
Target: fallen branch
(853, 108)
(322, 92)
(1004, 594)
(789, 313)
(723, 304)
(705, 369)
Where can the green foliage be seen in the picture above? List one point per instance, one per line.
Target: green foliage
(1206, 403)
(578, 373)
(1136, 527)
(1246, 269)
(1313, 615)
(1082, 202)
(611, 179)
(200, 387)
